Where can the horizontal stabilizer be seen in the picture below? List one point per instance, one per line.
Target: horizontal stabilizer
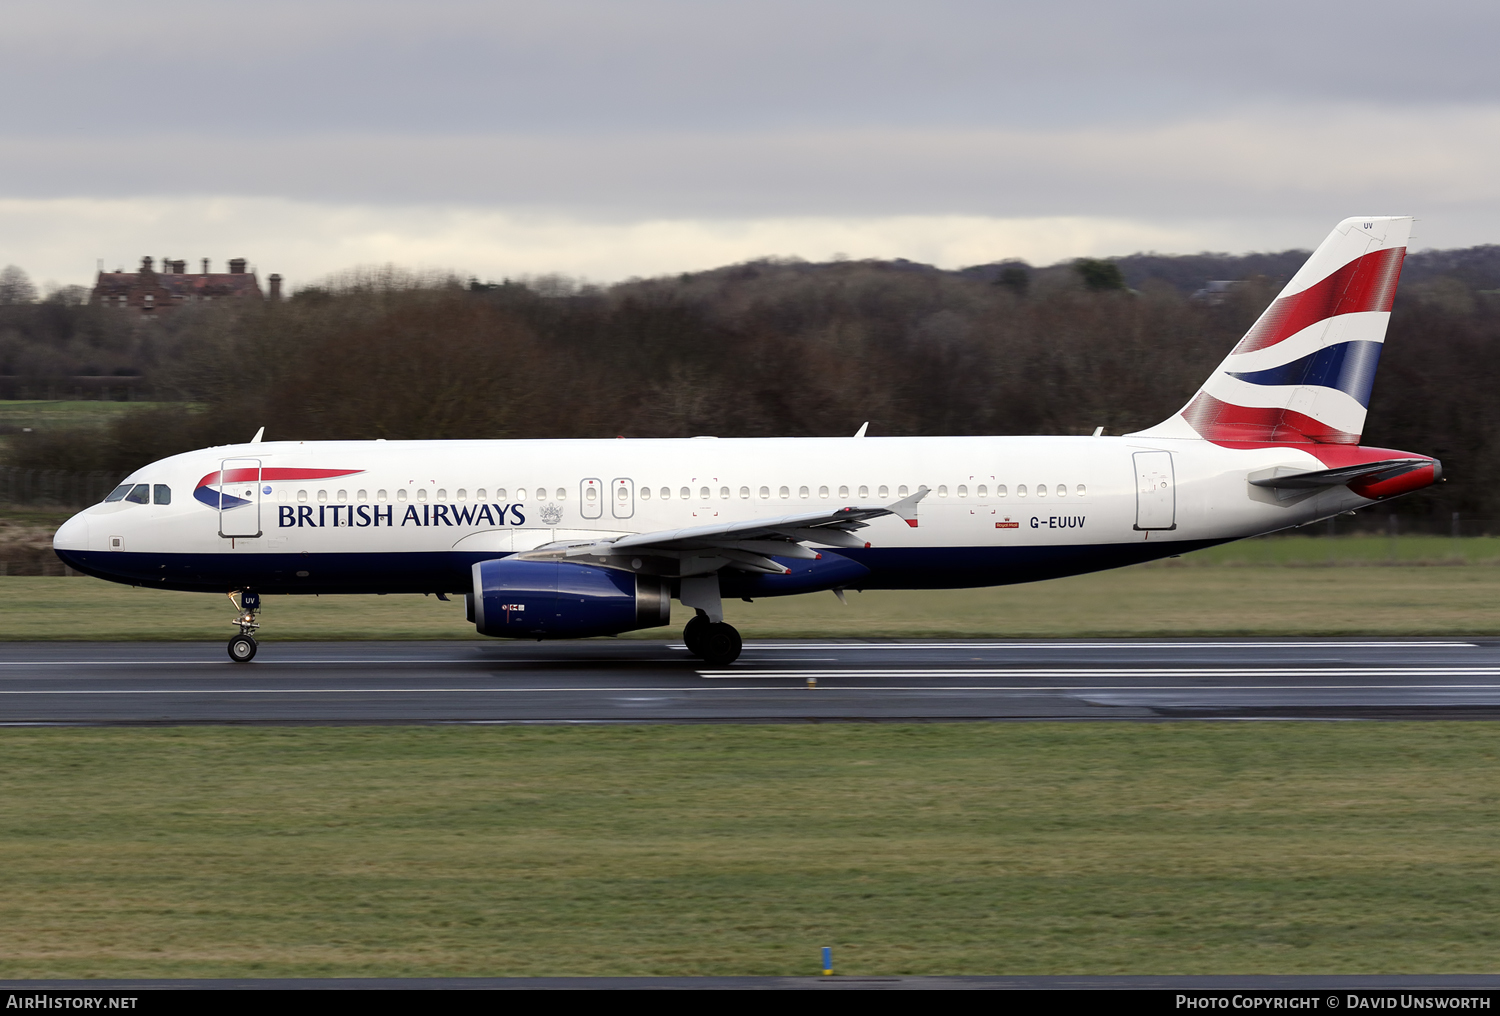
(1368, 472)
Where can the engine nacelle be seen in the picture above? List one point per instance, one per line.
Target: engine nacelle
(561, 600)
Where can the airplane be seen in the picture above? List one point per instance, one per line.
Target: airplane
(556, 539)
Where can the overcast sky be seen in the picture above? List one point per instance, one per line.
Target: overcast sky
(610, 138)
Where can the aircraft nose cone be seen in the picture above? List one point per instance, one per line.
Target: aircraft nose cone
(72, 534)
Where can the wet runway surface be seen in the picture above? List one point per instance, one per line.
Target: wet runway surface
(629, 681)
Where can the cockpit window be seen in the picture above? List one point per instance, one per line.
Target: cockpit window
(119, 492)
(139, 494)
(161, 494)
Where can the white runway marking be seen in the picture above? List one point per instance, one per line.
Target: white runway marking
(1101, 645)
(975, 672)
(688, 691)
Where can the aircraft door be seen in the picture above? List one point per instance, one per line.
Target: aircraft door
(591, 498)
(239, 498)
(1155, 491)
(622, 497)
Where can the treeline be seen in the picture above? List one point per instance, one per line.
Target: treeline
(773, 348)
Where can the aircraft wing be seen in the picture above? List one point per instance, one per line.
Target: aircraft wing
(746, 544)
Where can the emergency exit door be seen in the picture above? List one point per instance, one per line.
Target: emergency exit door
(239, 498)
(622, 497)
(1155, 491)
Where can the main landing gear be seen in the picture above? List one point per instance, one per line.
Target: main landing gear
(243, 646)
(714, 642)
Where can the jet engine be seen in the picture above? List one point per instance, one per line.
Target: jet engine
(512, 598)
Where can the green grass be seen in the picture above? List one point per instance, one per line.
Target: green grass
(58, 413)
(938, 849)
(1281, 586)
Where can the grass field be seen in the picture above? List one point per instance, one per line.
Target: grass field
(63, 412)
(1278, 586)
(938, 849)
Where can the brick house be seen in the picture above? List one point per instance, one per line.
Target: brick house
(148, 291)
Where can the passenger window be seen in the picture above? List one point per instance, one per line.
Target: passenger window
(765, 492)
(282, 494)
(942, 490)
(822, 491)
(161, 494)
(1020, 490)
(1041, 490)
(843, 492)
(983, 491)
(301, 495)
(322, 497)
(864, 491)
(118, 494)
(1062, 490)
(562, 493)
(1000, 490)
(520, 493)
(479, 494)
(442, 495)
(401, 494)
(703, 493)
(499, 493)
(1082, 490)
(901, 490)
(343, 496)
(784, 492)
(380, 496)
(361, 497)
(139, 494)
(592, 494)
(802, 493)
(723, 492)
(645, 493)
(963, 490)
(884, 492)
(463, 495)
(744, 493)
(666, 493)
(622, 494)
(685, 493)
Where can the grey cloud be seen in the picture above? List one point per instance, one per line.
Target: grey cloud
(230, 69)
(1273, 163)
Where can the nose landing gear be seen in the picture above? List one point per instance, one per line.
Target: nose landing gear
(243, 646)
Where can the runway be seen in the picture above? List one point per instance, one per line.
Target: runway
(630, 681)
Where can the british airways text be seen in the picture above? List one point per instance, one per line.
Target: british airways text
(361, 516)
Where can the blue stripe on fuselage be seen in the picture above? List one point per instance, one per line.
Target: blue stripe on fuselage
(449, 571)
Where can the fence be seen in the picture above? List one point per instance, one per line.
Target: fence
(59, 488)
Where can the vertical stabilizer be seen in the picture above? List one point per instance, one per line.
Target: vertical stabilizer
(1303, 372)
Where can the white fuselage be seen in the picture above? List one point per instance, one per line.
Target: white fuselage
(415, 515)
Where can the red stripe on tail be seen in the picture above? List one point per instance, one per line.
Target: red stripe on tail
(1367, 283)
(1222, 421)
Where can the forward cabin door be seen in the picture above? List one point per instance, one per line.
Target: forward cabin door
(1155, 491)
(239, 498)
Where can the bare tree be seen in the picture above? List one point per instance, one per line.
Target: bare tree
(15, 286)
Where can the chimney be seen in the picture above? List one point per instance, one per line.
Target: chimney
(275, 282)
(205, 266)
(236, 266)
(146, 265)
(179, 267)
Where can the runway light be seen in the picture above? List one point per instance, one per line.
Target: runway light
(827, 960)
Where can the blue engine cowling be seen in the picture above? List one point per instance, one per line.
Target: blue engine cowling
(561, 600)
